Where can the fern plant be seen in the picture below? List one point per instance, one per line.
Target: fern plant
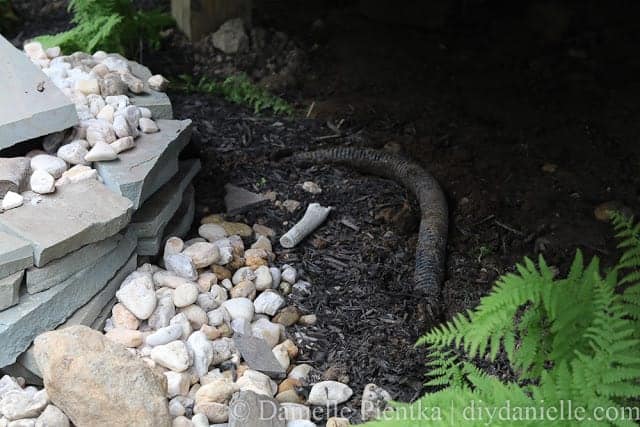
(238, 89)
(573, 339)
(110, 25)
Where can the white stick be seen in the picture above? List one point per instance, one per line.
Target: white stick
(313, 217)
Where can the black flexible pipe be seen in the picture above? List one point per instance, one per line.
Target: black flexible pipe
(434, 221)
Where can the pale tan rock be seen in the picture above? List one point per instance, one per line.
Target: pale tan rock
(123, 144)
(123, 318)
(203, 254)
(148, 125)
(125, 337)
(245, 289)
(100, 152)
(211, 332)
(87, 86)
(219, 390)
(158, 82)
(338, 422)
(206, 280)
(92, 379)
(215, 412)
(196, 315)
(262, 230)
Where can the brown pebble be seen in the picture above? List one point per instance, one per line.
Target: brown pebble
(221, 272)
(288, 316)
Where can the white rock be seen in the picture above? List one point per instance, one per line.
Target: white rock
(243, 274)
(300, 372)
(282, 356)
(329, 393)
(240, 308)
(114, 63)
(77, 173)
(123, 144)
(137, 295)
(163, 313)
(12, 200)
(106, 113)
(202, 351)
(185, 294)
(176, 408)
(182, 320)
(223, 349)
(289, 274)
(87, 86)
(212, 232)
(174, 356)
(118, 101)
(257, 382)
(8, 384)
(178, 383)
(268, 331)
(241, 326)
(269, 302)
(207, 301)
(203, 254)
(197, 316)
(34, 50)
(158, 82)
(174, 245)
(164, 335)
(200, 420)
(311, 187)
(134, 84)
(182, 265)
(100, 131)
(42, 183)
(218, 316)
(263, 279)
(148, 125)
(374, 402)
(53, 165)
(52, 417)
(16, 405)
(120, 126)
(132, 115)
(73, 153)
(145, 112)
(300, 423)
(225, 249)
(100, 152)
(96, 103)
(275, 275)
(53, 52)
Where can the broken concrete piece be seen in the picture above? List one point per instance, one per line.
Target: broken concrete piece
(10, 290)
(139, 173)
(76, 215)
(15, 254)
(31, 105)
(238, 200)
(258, 355)
(42, 278)
(154, 215)
(178, 226)
(43, 311)
(14, 174)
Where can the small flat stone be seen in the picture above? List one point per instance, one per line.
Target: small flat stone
(148, 126)
(78, 214)
(258, 355)
(238, 200)
(15, 254)
(10, 290)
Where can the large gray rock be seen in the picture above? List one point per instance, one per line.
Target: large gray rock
(139, 173)
(10, 290)
(157, 102)
(86, 315)
(14, 174)
(231, 37)
(15, 254)
(43, 311)
(179, 226)
(258, 355)
(249, 409)
(42, 278)
(154, 215)
(76, 215)
(96, 381)
(30, 105)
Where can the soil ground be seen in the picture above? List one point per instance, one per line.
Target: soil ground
(527, 131)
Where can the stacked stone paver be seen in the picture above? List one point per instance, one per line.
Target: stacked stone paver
(63, 256)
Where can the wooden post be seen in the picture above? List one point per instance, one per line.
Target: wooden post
(197, 18)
